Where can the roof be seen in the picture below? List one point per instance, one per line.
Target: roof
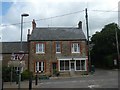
(13, 47)
(57, 33)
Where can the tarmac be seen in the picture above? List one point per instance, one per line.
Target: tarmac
(25, 84)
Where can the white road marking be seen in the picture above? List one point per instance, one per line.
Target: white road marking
(93, 86)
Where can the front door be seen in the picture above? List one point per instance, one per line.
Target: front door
(54, 67)
(72, 66)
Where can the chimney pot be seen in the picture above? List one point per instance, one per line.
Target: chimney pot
(80, 25)
(33, 24)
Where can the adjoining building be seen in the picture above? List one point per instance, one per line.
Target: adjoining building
(11, 55)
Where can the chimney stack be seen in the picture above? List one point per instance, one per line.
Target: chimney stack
(80, 25)
(33, 24)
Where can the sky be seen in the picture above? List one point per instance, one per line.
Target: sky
(54, 13)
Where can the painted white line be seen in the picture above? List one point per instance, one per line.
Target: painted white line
(93, 86)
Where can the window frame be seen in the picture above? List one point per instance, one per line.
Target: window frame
(37, 48)
(40, 66)
(64, 65)
(73, 47)
(75, 63)
(80, 65)
(56, 48)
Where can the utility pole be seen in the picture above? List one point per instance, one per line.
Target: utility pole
(30, 76)
(86, 16)
(117, 47)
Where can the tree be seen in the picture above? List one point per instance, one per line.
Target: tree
(104, 50)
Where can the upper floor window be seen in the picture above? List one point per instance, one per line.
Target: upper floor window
(40, 48)
(58, 47)
(75, 48)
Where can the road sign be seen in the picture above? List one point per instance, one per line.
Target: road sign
(17, 56)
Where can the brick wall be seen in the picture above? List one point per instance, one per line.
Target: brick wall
(51, 56)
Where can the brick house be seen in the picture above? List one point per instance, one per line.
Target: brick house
(10, 58)
(58, 48)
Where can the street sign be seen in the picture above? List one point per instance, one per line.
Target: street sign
(17, 56)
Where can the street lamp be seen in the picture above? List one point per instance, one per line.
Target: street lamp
(22, 15)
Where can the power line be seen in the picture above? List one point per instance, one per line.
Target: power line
(61, 16)
(103, 11)
(47, 18)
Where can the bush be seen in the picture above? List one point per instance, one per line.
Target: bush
(25, 75)
(109, 61)
(56, 73)
(6, 74)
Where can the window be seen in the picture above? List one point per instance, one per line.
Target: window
(75, 48)
(64, 65)
(40, 48)
(39, 66)
(58, 47)
(17, 69)
(80, 64)
(77, 64)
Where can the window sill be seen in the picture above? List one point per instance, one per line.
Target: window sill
(75, 52)
(58, 52)
(40, 52)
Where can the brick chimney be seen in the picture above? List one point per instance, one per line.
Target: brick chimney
(80, 25)
(33, 24)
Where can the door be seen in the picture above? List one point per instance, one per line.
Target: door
(73, 66)
(54, 67)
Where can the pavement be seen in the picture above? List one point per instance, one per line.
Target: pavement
(98, 77)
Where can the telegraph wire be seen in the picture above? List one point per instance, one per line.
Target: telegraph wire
(61, 16)
(103, 11)
(46, 18)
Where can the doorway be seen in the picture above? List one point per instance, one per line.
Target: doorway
(73, 66)
(54, 67)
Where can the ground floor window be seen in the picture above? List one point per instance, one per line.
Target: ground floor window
(17, 69)
(64, 65)
(39, 66)
(80, 64)
(68, 65)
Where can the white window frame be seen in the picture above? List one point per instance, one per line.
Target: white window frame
(85, 59)
(73, 48)
(80, 66)
(38, 48)
(64, 65)
(37, 66)
(58, 47)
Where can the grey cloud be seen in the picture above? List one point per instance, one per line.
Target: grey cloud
(49, 9)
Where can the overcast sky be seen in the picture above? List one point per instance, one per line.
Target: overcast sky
(100, 13)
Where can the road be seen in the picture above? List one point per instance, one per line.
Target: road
(100, 79)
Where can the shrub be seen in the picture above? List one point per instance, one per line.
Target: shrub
(109, 61)
(6, 74)
(25, 75)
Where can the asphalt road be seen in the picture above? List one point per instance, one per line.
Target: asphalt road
(100, 79)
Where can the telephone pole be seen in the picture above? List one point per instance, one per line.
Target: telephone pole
(117, 47)
(86, 16)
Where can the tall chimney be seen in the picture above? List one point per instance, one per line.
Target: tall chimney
(33, 24)
(80, 25)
